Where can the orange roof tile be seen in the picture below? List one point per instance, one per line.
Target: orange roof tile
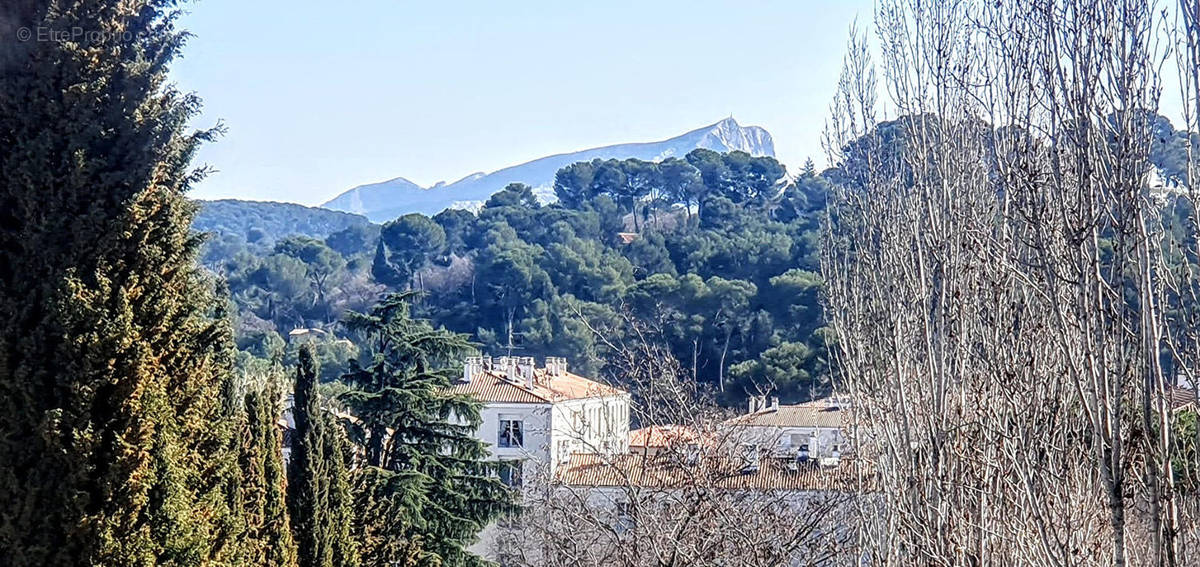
(1180, 398)
(661, 436)
(810, 414)
(491, 386)
(635, 469)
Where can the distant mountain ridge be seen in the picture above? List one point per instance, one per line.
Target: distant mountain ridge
(387, 200)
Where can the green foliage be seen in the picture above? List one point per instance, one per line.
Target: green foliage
(718, 253)
(354, 240)
(264, 223)
(300, 283)
(424, 489)
(320, 264)
(116, 443)
(267, 534)
(320, 501)
(406, 245)
(1185, 454)
(722, 263)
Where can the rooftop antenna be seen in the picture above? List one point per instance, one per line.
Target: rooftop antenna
(510, 347)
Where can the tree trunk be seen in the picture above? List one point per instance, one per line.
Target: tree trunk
(724, 352)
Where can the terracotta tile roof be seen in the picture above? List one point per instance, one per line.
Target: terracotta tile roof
(1180, 398)
(490, 386)
(659, 436)
(670, 472)
(810, 414)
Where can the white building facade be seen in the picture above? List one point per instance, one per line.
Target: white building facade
(536, 418)
(813, 431)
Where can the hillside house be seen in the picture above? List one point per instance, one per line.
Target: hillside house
(778, 460)
(660, 439)
(536, 418)
(1180, 399)
(809, 431)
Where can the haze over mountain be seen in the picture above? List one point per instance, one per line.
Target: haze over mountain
(387, 200)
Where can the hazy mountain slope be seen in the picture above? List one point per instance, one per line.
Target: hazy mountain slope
(377, 196)
(390, 199)
(275, 220)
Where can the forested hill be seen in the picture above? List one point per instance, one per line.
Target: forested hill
(259, 220)
(712, 258)
(710, 261)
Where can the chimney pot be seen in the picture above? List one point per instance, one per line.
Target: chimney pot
(470, 368)
(556, 365)
(506, 367)
(524, 369)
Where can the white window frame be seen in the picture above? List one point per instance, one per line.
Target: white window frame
(510, 424)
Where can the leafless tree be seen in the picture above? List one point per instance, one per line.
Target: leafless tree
(687, 496)
(1000, 286)
(694, 520)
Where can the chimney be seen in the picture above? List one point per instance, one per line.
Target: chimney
(524, 368)
(556, 366)
(774, 403)
(471, 368)
(503, 366)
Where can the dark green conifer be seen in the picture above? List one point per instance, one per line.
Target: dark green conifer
(113, 438)
(424, 490)
(344, 550)
(267, 538)
(319, 498)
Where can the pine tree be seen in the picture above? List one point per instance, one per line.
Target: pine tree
(424, 491)
(319, 498)
(112, 350)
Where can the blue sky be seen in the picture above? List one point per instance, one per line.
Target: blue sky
(318, 100)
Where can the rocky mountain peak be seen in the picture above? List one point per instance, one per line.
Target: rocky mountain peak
(390, 199)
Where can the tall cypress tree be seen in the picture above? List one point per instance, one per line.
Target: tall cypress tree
(267, 537)
(425, 490)
(319, 498)
(112, 354)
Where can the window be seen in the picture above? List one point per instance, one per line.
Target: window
(624, 510)
(512, 433)
(626, 517)
(804, 454)
(749, 457)
(510, 473)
